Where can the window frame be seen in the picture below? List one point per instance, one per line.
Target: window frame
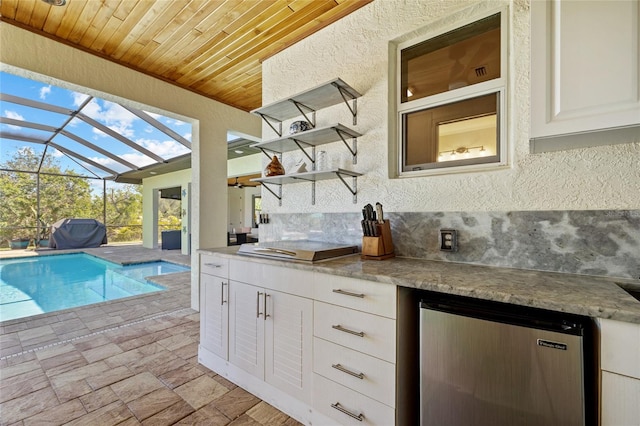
(498, 86)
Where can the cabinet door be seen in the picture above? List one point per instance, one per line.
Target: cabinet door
(584, 66)
(620, 400)
(214, 315)
(288, 344)
(246, 328)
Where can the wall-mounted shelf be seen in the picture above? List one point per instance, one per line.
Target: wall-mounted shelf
(308, 102)
(312, 138)
(312, 177)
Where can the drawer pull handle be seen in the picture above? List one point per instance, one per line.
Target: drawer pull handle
(346, 370)
(258, 313)
(348, 293)
(222, 301)
(213, 265)
(346, 330)
(358, 417)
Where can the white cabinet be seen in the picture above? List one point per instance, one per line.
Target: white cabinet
(271, 325)
(321, 348)
(584, 73)
(620, 400)
(354, 359)
(289, 344)
(246, 328)
(270, 337)
(620, 375)
(214, 332)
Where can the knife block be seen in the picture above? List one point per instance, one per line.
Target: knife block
(380, 247)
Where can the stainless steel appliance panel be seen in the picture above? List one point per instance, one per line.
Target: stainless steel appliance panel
(481, 372)
(297, 250)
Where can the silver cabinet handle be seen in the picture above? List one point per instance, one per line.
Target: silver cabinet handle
(337, 406)
(213, 265)
(258, 313)
(222, 301)
(348, 293)
(346, 330)
(265, 306)
(346, 370)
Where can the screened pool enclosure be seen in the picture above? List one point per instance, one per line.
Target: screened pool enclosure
(66, 154)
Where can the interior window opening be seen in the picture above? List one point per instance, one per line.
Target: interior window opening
(441, 125)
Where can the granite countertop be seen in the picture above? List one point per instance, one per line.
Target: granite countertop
(594, 296)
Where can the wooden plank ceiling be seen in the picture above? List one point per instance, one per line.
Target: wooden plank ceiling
(212, 47)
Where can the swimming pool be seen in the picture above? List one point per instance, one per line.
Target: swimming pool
(36, 285)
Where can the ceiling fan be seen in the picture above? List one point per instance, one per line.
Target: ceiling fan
(236, 184)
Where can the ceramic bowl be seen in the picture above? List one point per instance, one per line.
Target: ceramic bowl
(299, 126)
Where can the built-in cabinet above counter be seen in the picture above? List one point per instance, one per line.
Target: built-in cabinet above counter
(584, 74)
(306, 104)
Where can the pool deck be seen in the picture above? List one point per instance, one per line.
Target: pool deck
(65, 324)
(128, 361)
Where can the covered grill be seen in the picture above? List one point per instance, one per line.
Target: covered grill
(77, 233)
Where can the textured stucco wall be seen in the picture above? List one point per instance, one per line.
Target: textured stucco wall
(356, 49)
(38, 57)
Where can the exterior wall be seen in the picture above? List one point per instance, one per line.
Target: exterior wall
(357, 48)
(150, 186)
(38, 57)
(251, 164)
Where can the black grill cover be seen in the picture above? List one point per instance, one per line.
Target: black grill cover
(77, 233)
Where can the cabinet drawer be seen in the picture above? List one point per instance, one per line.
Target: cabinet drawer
(286, 280)
(330, 398)
(214, 265)
(371, 334)
(620, 347)
(368, 375)
(367, 296)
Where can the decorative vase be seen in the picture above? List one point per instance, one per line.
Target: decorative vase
(274, 168)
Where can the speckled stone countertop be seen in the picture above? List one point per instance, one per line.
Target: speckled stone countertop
(598, 297)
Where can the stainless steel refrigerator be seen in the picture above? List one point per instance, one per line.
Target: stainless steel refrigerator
(488, 363)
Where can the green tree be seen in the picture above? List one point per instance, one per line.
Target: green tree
(60, 196)
(124, 213)
(64, 194)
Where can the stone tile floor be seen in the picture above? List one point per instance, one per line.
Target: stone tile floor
(132, 361)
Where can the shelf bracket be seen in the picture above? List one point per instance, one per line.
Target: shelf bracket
(353, 188)
(264, 151)
(301, 107)
(313, 187)
(299, 145)
(345, 94)
(353, 149)
(269, 120)
(278, 195)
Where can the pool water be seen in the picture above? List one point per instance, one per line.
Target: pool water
(35, 285)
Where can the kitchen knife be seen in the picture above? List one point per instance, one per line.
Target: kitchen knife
(374, 229)
(380, 214)
(368, 211)
(365, 232)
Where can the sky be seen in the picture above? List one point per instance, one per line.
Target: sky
(105, 112)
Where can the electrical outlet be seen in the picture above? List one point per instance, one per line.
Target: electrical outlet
(448, 240)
